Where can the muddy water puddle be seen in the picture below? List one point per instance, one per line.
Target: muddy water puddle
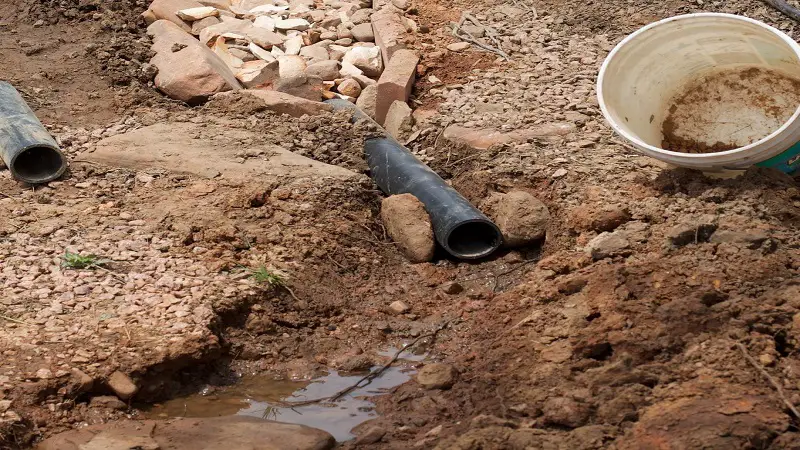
(265, 397)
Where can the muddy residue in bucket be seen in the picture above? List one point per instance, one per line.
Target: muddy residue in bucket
(729, 109)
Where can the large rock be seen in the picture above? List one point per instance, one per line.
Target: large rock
(168, 10)
(229, 433)
(282, 103)
(367, 59)
(521, 217)
(483, 138)
(193, 73)
(437, 376)
(396, 82)
(389, 32)
(409, 225)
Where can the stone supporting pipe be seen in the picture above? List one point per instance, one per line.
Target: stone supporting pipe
(459, 227)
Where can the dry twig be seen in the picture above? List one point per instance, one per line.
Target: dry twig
(771, 380)
(790, 11)
(11, 319)
(466, 37)
(368, 378)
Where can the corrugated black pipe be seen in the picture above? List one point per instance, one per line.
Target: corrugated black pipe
(459, 227)
(26, 147)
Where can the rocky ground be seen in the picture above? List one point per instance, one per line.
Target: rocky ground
(649, 317)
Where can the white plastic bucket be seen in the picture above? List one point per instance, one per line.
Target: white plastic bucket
(645, 71)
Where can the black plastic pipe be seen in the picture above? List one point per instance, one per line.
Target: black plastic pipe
(27, 149)
(459, 227)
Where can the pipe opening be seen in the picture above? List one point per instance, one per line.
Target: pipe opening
(38, 164)
(474, 240)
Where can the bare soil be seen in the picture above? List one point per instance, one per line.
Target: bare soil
(553, 348)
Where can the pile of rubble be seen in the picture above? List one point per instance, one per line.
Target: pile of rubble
(278, 48)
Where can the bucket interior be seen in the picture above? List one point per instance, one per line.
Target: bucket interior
(652, 68)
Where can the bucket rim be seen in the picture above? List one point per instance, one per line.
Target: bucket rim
(695, 157)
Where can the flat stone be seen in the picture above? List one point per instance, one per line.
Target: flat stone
(261, 53)
(282, 103)
(257, 73)
(396, 82)
(192, 74)
(122, 385)
(153, 148)
(521, 217)
(292, 24)
(484, 138)
(229, 25)
(458, 46)
(229, 432)
(263, 37)
(192, 14)
(437, 376)
(409, 225)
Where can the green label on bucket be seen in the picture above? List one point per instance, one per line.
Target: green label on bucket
(787, 162)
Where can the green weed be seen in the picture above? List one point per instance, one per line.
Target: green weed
(77, 261)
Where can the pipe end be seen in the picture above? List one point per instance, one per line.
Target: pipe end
(38, 164)
(474, 239)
